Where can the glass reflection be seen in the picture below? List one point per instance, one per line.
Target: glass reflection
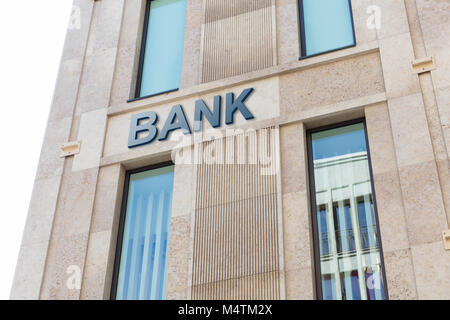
(349, 244)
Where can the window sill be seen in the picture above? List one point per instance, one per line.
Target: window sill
(325, 52)
(152, 95)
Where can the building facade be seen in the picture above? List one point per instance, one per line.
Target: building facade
(245, 149)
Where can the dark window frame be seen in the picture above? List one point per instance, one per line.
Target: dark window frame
(137, 93)
(313, 206)
(123, 213)
(301, 17)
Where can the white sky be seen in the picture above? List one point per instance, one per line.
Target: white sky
(32, 36)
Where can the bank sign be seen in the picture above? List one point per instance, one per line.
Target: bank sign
(146, 124)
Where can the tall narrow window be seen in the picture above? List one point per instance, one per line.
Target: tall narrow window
(325, 25)
(140, 271)
(162, 47)
(348, 253)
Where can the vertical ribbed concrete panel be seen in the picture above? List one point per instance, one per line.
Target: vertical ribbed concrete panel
(238, 37)
(236, 237)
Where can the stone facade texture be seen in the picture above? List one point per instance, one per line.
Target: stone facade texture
(75, 208)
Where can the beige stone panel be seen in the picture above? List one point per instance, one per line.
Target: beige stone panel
(262, 286)
(91, 133)
(299, 284)
(444, 176)
(50, 162)
(108, 198)
(432, 269)
(178, 259)
(296, 231)
(190, 74)
(74, 129)
(435, 121)
(78, 30)
(94, 285)
(394, 20)
(415, 28)
(396, 56)
(436, 27)
(65, 252)
(423, 202)
(41, 212)
(263, 103)
(443, 101)
(94, 278)
(75, 203)
(287, 31)
(391, 213)
(96, 81)
(238, 37)
(66, 89)
(360, 17)
(381, 145)
(183, 197)
(434, 21)
(330, 83)
(123, 87)
(29, 271)
(178, 295)
(236, 240)
(410, 130)
(293, 158)
(106, 25)
(128, 52)
(400, 275)
(442, 61)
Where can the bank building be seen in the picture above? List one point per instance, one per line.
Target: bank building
(245, 149)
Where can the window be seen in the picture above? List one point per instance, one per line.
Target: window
(325, 25)
(162, 47)
(346, 238)
(141, 256)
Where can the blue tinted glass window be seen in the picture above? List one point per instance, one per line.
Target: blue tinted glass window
(142, 269)
(328, 25)
(327, 144)
(346, 227)
(161, 69)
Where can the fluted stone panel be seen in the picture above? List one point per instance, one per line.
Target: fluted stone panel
(238, 37)
(236, 244)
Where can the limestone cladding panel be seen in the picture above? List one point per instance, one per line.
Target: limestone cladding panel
(288, 45)
(190, 74)
(70, 232)
(100, 258)
(236, 249)
(422, 195)
(435, 27)
(124, 81)
(91, 134)
(296, 214)
(238, 37)
(330, 83)
(100, 59)
(179, 260)
(432, 267)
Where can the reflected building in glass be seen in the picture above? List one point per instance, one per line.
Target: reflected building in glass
(347, 228)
